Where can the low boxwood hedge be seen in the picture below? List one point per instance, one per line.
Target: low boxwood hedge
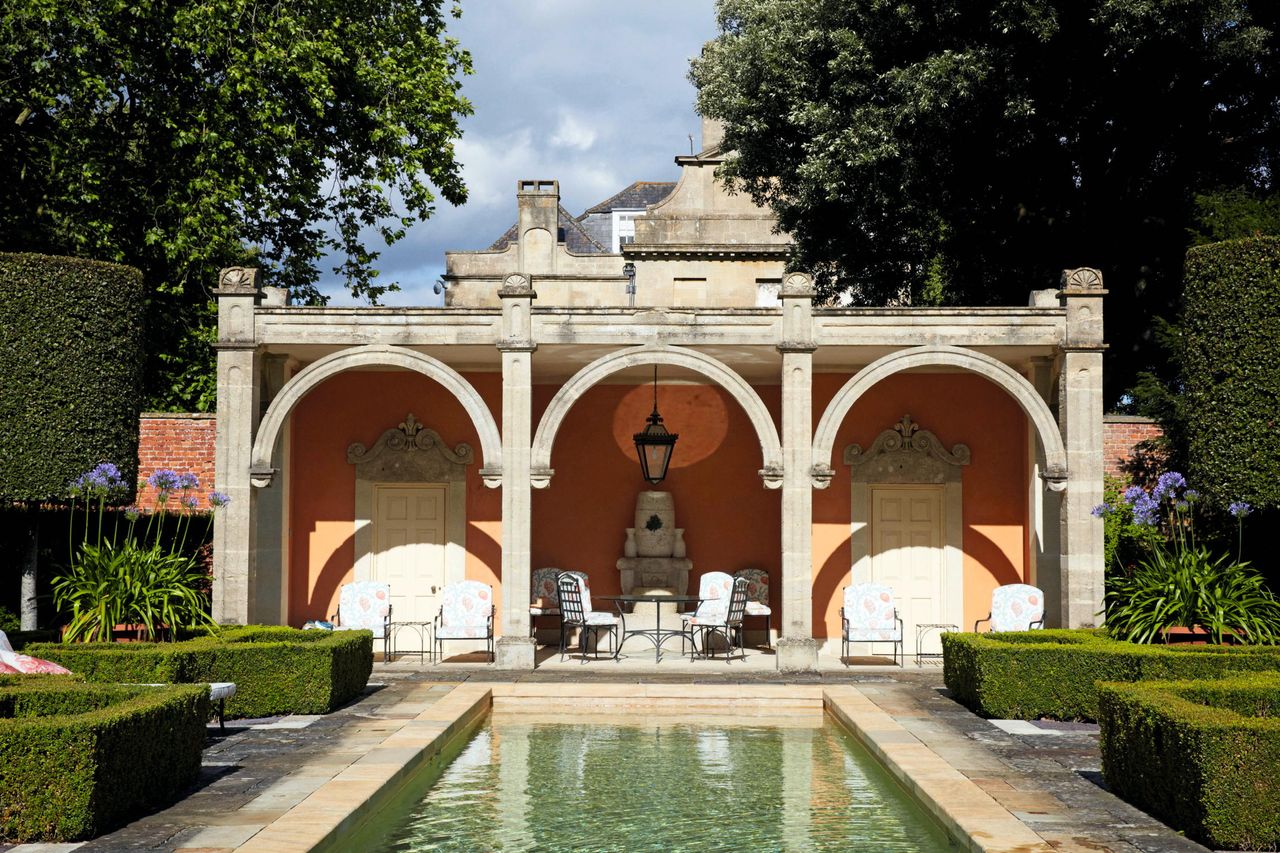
(277, 670)
(1202, 756)
(1027, 675)
(77, 759)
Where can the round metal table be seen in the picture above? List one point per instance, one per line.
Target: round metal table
(657, 634)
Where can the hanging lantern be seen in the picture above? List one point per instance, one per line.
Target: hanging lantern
(654, 444)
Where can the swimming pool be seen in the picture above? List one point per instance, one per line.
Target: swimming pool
(657, 783)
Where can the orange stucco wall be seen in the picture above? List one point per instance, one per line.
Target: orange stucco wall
(731, 520)
(960, 409)
(358, 406)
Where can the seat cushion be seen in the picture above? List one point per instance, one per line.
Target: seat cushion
(872, 636)
(601, 617)
(755, 608)
(462, 632)
(544, 611)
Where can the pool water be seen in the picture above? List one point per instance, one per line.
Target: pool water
(659, 784)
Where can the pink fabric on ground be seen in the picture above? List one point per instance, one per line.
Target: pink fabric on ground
(29, 665)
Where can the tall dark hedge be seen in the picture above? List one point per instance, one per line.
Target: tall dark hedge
(1231, 370)
(71, 355)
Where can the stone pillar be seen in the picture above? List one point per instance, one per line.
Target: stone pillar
(1044, 507)
(797, 649)
(269, 579)
(1080, 415)
(233, 531)
(515, 648)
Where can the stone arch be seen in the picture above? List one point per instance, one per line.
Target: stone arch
(376, 355)
(601, 368)
(1014, 383)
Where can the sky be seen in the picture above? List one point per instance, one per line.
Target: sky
(592, 93)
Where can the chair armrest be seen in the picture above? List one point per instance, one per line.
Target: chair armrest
(986, 619)
(333, 617)
(1036, 625)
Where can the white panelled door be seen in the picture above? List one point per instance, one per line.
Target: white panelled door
(907, 554)
(409, 546)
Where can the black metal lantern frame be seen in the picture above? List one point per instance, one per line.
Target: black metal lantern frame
(654, 444)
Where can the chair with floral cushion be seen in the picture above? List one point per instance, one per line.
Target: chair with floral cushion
(365, 606)
(576, 612)
(1015, 607)
(544, 596)
(757, 596)
(722, 619)
(714, 589)
(466, 613)
(870, 616)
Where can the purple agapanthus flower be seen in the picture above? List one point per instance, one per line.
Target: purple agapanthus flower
(132, 514)
(1191, 495)
(164, 480)
(1102, 510)
(188, 481)
(102, 479)
(1146, 511)
(1239, 509)
(217, 499)
(191, 502)
(1133, 494)
(1169, 485)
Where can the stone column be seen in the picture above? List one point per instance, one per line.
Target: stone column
(269, 576)
(1080, 415)
(1044, 507)
(797, 649)
(515, 649)
(233, 531)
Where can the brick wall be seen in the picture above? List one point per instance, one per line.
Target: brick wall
(1120, 433)
(180, 441)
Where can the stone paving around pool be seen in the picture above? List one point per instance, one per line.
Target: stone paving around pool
(1045, 775)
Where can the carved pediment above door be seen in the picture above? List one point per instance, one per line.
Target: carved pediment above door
(410, 453)
(906, 454)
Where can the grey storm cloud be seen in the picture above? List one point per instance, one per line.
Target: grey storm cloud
(591, 93)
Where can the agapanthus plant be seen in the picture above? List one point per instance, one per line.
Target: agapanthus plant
(1179, 583)
(136, 573)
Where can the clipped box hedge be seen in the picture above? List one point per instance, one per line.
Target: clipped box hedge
(77, 759)
(1026, 675)
(277, 670)
(1202, 756)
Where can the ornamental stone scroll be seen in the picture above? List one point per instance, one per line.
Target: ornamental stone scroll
(906, 454)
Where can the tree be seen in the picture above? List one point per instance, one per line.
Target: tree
(71, 352)
(960, 152)
(182, 136)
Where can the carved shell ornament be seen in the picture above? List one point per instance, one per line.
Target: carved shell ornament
(1083, 278)
(238, 278)
(798, 282)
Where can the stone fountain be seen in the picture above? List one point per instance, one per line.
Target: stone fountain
(654, 560)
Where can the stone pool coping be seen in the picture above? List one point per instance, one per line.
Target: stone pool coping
(971, 816)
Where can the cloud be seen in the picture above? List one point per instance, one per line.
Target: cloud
(569, 90)
(573, 132)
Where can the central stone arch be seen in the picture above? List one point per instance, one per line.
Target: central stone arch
(376, 355)
(601, 368)
(1017, 386)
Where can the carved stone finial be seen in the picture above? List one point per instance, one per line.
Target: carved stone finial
(516, 284)
(1082, 278)
(408, 438)
(410, 426)
(797, 284)
(238, 280)
(905, 429)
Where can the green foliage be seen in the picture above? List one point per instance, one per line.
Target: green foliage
(276, 670)
(989, 145)
(1199, 755)
(1032, 674)
(1189, 586)
(183, 136)
(140, 578)
(1230, 370)
(80, 759)
(9, 621)
(71, 353)
(1235, 215)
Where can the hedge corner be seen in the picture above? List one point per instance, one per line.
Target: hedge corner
(1200, 755)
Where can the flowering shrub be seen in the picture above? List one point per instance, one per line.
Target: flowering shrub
(1179, 583)
(127, 575)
